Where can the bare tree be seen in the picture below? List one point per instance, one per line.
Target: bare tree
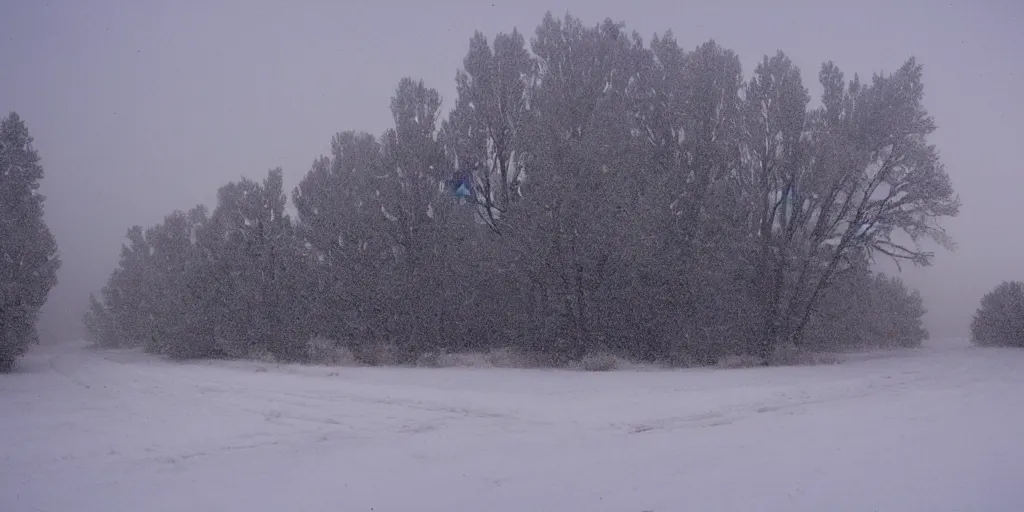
(838, 184)
(483, 131)
(777, 156)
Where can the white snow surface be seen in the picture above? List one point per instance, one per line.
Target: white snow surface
(936, 429)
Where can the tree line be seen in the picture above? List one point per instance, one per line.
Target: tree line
(588, 193)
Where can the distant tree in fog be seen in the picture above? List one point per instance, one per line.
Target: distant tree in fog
(1000, 319)
(100, 325)
(28, 251)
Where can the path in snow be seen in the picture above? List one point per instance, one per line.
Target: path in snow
(933, 430)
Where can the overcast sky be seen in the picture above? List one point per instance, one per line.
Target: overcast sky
(141, 107)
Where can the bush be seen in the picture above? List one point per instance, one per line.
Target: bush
(328, 352)
(100, 326)
(429, 360)
(739, 361)
(379, 353)
(1000, 319)
(789, 354)
(599, 363)
(465, 360)
(262, 355)
(506, 358)
(862, 311)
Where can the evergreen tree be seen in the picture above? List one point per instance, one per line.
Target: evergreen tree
(28, 251)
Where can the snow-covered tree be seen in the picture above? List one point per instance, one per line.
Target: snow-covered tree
(1000, 319)
(28, 251)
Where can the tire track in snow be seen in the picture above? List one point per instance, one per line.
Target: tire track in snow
(66, 374)
(731, 414)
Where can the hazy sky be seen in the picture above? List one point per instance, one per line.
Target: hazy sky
(141, 107)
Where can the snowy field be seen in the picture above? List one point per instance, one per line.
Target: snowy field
(939, 429)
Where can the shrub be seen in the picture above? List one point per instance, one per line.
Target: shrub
(324, 351)
(262, 355)
(1000, 319)
(501, 358)
(429, 360)
(599, 363)
(789, 354)
(464, 360)
(739, 361)
(380, 353)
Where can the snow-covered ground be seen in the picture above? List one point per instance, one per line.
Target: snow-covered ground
(940, 429)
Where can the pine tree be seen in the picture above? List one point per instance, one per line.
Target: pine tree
(28, 251)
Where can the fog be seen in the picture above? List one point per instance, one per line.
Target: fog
(140, 108)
